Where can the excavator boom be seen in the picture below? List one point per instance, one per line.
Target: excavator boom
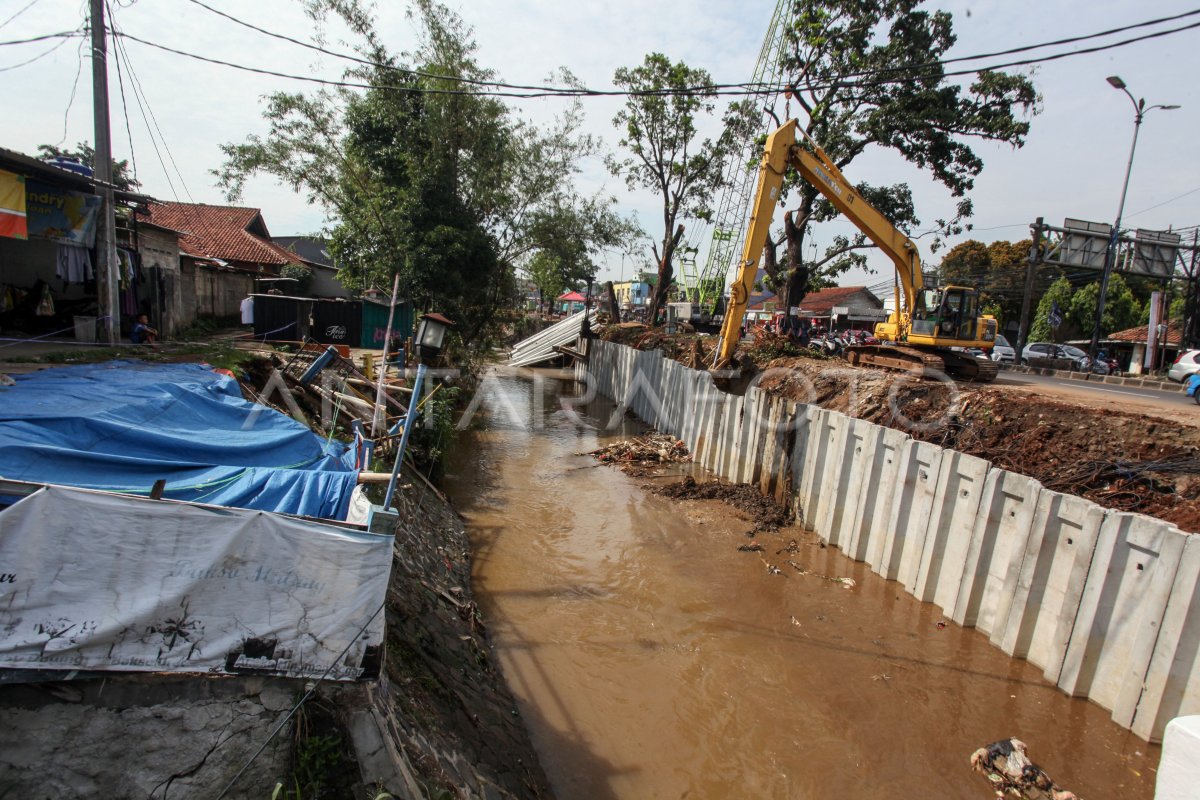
(923, 321)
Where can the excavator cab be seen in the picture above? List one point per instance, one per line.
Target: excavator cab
(946, 316)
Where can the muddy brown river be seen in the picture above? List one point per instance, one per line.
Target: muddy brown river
(652, 659)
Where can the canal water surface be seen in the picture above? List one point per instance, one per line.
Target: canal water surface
(653, 659)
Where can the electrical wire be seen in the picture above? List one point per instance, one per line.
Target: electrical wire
(38, 57)
(125, 110)
(740, 89)
(20, 11)
(148, 117)
(74, 87)
(1163, 203)
(42, 38)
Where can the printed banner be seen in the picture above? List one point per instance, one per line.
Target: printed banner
(12, 206)
(62, 215)
(98, 581)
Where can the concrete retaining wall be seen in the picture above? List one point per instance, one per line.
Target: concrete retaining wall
(1107, 604)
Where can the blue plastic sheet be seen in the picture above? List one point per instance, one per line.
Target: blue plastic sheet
(122, 425)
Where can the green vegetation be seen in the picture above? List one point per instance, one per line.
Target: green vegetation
(666, 154)
(452, 192)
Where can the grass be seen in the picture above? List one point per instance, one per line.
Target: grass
(219, 354)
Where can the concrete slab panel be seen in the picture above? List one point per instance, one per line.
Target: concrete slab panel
(916, 480)
(869, 533)
(1179, 767)
(1054, 569)
(837, 504)
(1172, 685)
(822, 432)
(951, 525)
(993, 561)
(1121, 611)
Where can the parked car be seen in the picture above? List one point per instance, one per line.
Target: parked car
(1186, 365)
(1079, 359)
(1003, 352)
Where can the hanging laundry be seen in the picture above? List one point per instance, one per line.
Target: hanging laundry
(74, 264)
(247, 308)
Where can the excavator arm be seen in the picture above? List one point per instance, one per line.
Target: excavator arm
(818, 169)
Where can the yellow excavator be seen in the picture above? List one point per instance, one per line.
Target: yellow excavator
(918, 335)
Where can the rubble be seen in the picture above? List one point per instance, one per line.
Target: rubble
(1007, 767)
(649, 448)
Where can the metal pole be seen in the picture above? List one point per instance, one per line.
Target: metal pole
(377, 417)
(106, 236)
(409, 422)
(1110, 253)
(1035, 253)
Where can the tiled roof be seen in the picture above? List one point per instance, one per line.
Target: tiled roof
(1138, 334)
(222, 232)
(822, 302)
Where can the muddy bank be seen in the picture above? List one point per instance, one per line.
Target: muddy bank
(459, 724)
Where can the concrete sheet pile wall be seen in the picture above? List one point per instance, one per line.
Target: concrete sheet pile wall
(1107, 604)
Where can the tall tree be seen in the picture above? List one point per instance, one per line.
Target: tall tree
(666, 154)
(867, 73)
(444, 187)
(1060, 294)
(996, 269)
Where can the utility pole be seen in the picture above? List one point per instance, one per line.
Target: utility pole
(106, 230)
(1035, 256)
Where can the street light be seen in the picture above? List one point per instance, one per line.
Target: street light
(1140, 111)
(431, 335)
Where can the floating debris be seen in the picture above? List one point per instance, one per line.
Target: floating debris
(753, 547)
(1007, 766)
(846, 583)
(650, 448)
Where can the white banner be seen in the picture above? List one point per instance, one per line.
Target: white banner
(96, 581)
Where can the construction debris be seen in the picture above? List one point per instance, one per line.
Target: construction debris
(651, 448)
(1007, 766)
(541, 346)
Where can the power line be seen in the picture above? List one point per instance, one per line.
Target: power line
(74, 87)
(21, 11)
(124, 107)
(38, 57)
(1163, 203)
(143, 102)
(708, 90)
(43, 37)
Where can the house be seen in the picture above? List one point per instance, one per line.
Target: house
(632, 294)
(49, 216)
(314, 252)
(1129, 347)
(843, 308)
(226, 254)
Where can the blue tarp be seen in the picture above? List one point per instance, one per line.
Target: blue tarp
(122, 425)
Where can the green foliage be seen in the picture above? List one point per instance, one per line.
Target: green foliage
(996, 269)
(86, 154)
(302, 274)
(1121, 309)
(658, 127)
(450, 191)
(925, 117)
(1061, 292)
(548, 273)
(435, 434)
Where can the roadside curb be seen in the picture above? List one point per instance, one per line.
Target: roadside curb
(1157, 384)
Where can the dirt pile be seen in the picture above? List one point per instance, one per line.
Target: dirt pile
(764, 512)
(1120, 460)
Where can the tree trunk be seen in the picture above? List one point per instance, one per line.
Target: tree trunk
(797, 283)
(665, 275)
(614, 312)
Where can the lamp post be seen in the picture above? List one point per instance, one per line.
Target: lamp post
(431, 334)
(1140, 111)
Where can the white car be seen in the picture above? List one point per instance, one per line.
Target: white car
(1003, 352)
(1186, 365)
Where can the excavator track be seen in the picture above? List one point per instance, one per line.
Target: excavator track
(923, 363)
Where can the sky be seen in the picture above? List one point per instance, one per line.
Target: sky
(1072, 165)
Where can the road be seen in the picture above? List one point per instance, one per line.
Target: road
(1174, 405)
